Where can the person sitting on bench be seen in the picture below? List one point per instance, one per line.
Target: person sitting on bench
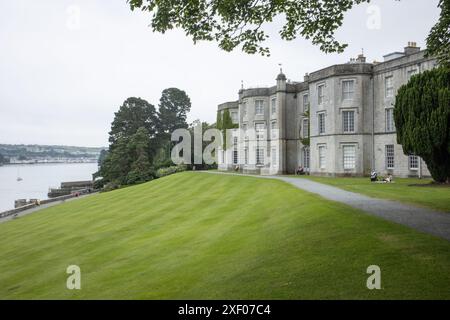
(388, 179)
(373, 176)
(300, 171)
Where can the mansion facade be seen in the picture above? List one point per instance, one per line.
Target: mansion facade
(337, 122)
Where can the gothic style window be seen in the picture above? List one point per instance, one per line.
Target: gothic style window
(348, 88)
(390, 162)
(322, 157)
(259, 156)
(260, 128)
(349, 157)
(259, 107)
(390, 124)
(234, 117)
(273, 129)
(274, 105)
(389, 85)
(413, 162)
(306, 158)
(305, 126)
(348, 118)
(321, 124)
(305, 102)
(274, 157)
(235, 150)
(320, 93)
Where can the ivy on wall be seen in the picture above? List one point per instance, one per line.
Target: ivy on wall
(223, 123)
(303, 140)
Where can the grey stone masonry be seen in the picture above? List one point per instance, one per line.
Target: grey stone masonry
(337, 122)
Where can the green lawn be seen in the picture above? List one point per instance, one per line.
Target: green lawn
(198, 235)
(404, 190)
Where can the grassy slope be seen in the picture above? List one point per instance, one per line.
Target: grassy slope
(197, 235)
(405, 190)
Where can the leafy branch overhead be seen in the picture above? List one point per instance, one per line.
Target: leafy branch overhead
(234, 23)
(240, 23)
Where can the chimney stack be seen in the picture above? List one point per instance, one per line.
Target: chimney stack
(411, 48)
(306, 77)
(361, 58)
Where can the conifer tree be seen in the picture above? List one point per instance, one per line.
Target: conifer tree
(422, 119)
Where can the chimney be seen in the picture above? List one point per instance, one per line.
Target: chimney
(411, 48)
(306, 77)
(361, 58)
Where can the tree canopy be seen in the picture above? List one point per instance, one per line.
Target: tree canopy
(438, 41)
(133, 114)
(174, 106)
(422, 119)
(140, 138)
(240, 23)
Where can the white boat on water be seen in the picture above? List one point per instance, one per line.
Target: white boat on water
(18, 176)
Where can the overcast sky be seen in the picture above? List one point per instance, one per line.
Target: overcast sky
(61, 82)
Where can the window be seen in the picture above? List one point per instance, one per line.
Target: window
(244, 109)
(306, 158)
(320, 93)
(321, 124)
(234, 117)
(305, 133)
(273, 129)
(274, 157)
(235, 150)
(413, 162)
(389, 84)
(349, 157)
(390, 124)
(260, 128)
(348, 89)
(274, 105)
(305, 102)
(259, 107)
(322, 159)
(246, 155)
(390, 156)
(259, 156)
(348, 118)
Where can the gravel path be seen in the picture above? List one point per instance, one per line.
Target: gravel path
(422, 219)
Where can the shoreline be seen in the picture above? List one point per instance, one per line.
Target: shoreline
(35, 208)
(37, 163)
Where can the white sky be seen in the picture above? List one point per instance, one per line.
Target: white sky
(60, 84)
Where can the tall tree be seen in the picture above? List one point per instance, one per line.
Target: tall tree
(135, 118)
(133, 114)
(140, 167)
(438, 41)
(174, 106)
(240, 23)
(422, 119)
(102, 156)
(117, 163)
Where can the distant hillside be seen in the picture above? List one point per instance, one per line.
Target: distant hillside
(45, 153)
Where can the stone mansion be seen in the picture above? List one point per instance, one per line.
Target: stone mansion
(338, 121)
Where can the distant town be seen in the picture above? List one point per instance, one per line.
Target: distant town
(33, 154)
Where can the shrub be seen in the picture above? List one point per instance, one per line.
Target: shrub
(162, 172)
